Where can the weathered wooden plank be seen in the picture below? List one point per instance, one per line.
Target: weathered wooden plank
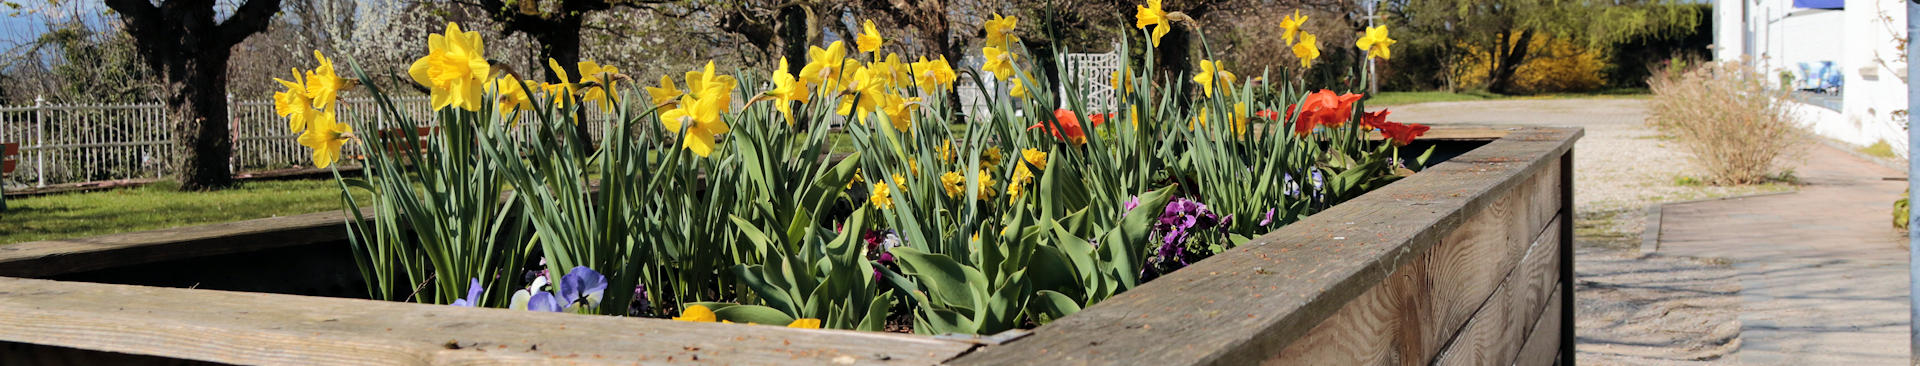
(1248, 304)
(62, 256)
(1543, 342)
(1494, 335)
(1409, 323)
(1459, 132)
(253, 328)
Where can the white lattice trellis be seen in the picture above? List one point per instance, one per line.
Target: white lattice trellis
(1094, 71)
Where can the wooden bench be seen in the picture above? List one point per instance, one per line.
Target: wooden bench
(9, 160)
(395, 140)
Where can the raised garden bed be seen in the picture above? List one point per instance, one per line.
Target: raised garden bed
(1468, 261)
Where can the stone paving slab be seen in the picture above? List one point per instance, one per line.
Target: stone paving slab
(1823, 276)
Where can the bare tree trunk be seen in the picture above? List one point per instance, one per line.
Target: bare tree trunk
(1174, 59)
(1500, 79)
(181, 42)
(197, 109)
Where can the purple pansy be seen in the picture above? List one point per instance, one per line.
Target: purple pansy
(473, 294)
(582, 285)
(1177, 223)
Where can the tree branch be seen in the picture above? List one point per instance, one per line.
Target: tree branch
(252, 17)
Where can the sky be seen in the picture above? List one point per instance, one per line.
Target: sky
(29, 21)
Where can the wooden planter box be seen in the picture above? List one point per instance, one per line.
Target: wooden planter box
(1468, 262)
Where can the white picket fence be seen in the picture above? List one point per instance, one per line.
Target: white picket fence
(71, 143)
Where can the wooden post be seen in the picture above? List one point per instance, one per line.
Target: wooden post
(1566, 260)
(40, 140)
(233, 137)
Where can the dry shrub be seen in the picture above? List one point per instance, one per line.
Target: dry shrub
(1727, 118)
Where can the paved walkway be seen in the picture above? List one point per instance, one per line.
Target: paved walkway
(1815, 277)
(1823, 277)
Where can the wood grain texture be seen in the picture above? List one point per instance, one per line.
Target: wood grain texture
(1248, 304)
(1543, 344)
(63, 256)
(1426, 302)
(1496, 332)
(252, 328)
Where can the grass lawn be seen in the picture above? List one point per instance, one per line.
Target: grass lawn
(159, 205)
(1393, 98)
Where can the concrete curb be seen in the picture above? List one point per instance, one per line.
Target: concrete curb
(1650, 234)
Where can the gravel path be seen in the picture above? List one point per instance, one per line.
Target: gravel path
(1631, 310)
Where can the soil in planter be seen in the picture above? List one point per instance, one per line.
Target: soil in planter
(310, 270)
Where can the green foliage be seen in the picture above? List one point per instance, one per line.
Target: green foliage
(1902, 211)
(438, 212)
(1029, 213)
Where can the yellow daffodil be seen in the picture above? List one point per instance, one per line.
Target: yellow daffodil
(294, 103)
(1307, 50)
(998, 28)
(823, 63)
(323, 85)
(786, 90)
(934, 75)
(1153, 15)
(881, 198)
(1019, 89)
(945, 150)
(664, 94)
(955, 184)
(706, 82)
(697, 313)
(990, 158)
(700, 109)
(998, 62)
(899, 111)
(1119, 81)
(562, 92)
(900, 181)
(1133, 115)
(838, 80)
(1199, 119)
(869, 39)
(598, 84)
(986, 185)
(513, 95)
(1206, 76)
(1036, 157)
(1239, 118)
(706, 123)
(325, 136)
(1376, 43)
(805, 323)
(1018, 183)
(888, 73)
(1291, 24)
(868, 96)
(455, 69)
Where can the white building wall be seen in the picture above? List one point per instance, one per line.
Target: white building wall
(1874, 88)
(1860, 40)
